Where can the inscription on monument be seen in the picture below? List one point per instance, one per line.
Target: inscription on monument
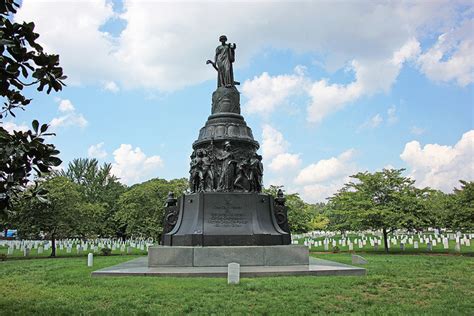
(227, 219)
(227, 213)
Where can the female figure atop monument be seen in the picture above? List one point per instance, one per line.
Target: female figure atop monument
(225, 56)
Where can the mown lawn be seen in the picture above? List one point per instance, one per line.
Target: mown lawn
(394, 285)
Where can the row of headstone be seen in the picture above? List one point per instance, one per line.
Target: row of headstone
(415, 240)
(80, 246)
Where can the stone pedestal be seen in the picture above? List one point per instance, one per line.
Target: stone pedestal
(288, 255)
(226, 219)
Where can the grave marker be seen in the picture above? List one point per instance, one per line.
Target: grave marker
(90, 259)
(233, 273)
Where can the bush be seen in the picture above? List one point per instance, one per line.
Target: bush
(335, 249)
(106, 251)
(3, 257)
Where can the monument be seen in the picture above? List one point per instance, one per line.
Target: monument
(225, 205)
(224, 225)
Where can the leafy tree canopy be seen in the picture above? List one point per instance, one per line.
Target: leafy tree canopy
(141, 208)
(22, 59)
(383, 200)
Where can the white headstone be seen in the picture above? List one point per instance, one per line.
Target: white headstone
(40, 250)
(26, 252)
(90, 259)
(415, 244)
(233, 273)
(10, 251)
(351, 247)
(358, 260)
(457, 248)
(68, 249)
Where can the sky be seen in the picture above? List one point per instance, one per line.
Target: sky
(329, 88)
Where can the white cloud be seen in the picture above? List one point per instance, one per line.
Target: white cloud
(97, 151)
(73, 119)
(71, 29)
(415, 130)
(265, 92)
(183, 35)
(285, 161)
(322, 179)
(65, 106)
(273, 142)
(111, 86)
(320, 192)
(392, 117)
(12, 126)
(70, 118)
(438, 166)
(372, 122)
(327, 98)
(282, 164)
(132, 165)
(451, 57)
(327, 169)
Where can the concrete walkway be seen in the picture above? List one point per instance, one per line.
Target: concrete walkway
(139, 267)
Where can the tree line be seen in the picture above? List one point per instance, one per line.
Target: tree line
(87, 201)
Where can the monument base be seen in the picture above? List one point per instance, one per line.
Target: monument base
(316, 267)
(287, 255)
(226, 219)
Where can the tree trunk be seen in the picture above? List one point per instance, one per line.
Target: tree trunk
(385, 239)
(53, 245)
(6, 232)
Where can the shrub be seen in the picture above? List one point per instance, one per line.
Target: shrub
(3, 257)
(106, 251)
(335, 249)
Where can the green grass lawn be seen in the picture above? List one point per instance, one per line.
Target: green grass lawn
(394, 285)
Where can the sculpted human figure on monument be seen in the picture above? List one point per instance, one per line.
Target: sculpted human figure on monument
(226, 181)
(193, 173)
(207, 174)
(242, 180)
(225, 56)
(256, 173)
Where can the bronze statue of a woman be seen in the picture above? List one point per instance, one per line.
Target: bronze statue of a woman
(225, 56)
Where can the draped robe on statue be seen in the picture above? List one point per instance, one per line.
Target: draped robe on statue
(225, 56)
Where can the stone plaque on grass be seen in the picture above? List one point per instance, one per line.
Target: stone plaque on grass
(233, 273)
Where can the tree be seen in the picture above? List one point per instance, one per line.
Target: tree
(460, 208)
(101, 190)
(382, 200)
(141, 208)
(58, 217)
(301, 215)
(23, 154)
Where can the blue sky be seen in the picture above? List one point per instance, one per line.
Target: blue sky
(329, 89)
